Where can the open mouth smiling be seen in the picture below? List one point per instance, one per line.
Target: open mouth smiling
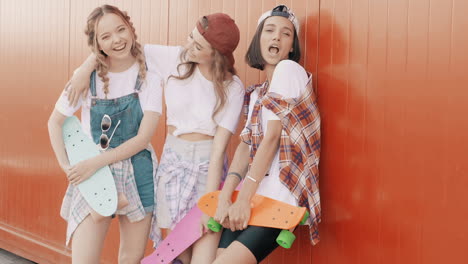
(120, 48)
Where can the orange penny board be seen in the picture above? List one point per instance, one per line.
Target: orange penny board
(265, 211)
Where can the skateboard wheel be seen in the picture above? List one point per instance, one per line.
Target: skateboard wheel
(285, 239)
(304, 219)
(213, 225)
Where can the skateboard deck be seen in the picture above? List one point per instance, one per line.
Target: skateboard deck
(265, 211)
(185, 233)
(99, 190)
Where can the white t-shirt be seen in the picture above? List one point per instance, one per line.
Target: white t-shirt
(120, 84)
(191, 102)
(289, 81)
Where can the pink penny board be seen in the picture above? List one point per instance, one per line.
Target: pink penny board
(185, 233)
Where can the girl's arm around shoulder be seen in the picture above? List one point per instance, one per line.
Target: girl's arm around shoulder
(152, 93)
(66, 107)
(162, 59)
(78, 86)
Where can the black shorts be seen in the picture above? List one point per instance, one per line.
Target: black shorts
(261, 241)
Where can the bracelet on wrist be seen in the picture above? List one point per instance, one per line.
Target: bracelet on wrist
(235, 174)
(251, 178)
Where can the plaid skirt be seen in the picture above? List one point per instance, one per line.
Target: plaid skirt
(181, 181)
(75, 208)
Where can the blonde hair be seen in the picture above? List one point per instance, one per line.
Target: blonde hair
(220, 69)
(91, 27)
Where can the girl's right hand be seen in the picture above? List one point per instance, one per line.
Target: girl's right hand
(84, 169)
(222, 211)
(77, 86)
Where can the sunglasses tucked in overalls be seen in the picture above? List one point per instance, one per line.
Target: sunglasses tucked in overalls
(128, 110)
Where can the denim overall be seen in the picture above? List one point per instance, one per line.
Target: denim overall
(127, 109)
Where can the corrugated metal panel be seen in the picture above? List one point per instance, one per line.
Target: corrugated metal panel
(392, 102)
(34, 50)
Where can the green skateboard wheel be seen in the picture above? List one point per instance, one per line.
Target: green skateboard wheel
(213, 225)
(285, 239)
(304, 219)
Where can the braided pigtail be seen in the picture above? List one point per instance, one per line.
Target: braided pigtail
(136, 50)
(102, 69)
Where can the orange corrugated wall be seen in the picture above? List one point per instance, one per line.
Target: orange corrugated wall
(391, 78)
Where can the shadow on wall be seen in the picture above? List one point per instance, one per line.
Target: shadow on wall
(341, 93)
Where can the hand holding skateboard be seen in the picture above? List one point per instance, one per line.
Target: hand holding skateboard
(99, 190)
(265, 212)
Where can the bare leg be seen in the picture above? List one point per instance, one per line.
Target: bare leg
(204, 250)
(97, 217)
(122, 201)
(133, 239)
(88, 240)
(234, 254)
(219, 252)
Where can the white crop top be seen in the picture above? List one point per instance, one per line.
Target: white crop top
(190, 103)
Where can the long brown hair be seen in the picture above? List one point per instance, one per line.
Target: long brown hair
(220, 69)
(102, 68)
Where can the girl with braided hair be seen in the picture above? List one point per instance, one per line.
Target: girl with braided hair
(123, 95)
(203, 97)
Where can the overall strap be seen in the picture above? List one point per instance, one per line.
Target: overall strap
(139, 82)
(92, 83)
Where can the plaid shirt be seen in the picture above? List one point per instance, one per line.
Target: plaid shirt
(184, 183)
(299, 146)
(75, 208)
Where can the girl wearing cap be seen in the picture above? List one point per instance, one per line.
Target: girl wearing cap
(282, 115)
(120, 114)
(203, 98)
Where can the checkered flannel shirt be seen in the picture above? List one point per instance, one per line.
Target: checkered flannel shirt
(299, 147)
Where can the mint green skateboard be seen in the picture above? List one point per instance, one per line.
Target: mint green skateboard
(99, 190)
